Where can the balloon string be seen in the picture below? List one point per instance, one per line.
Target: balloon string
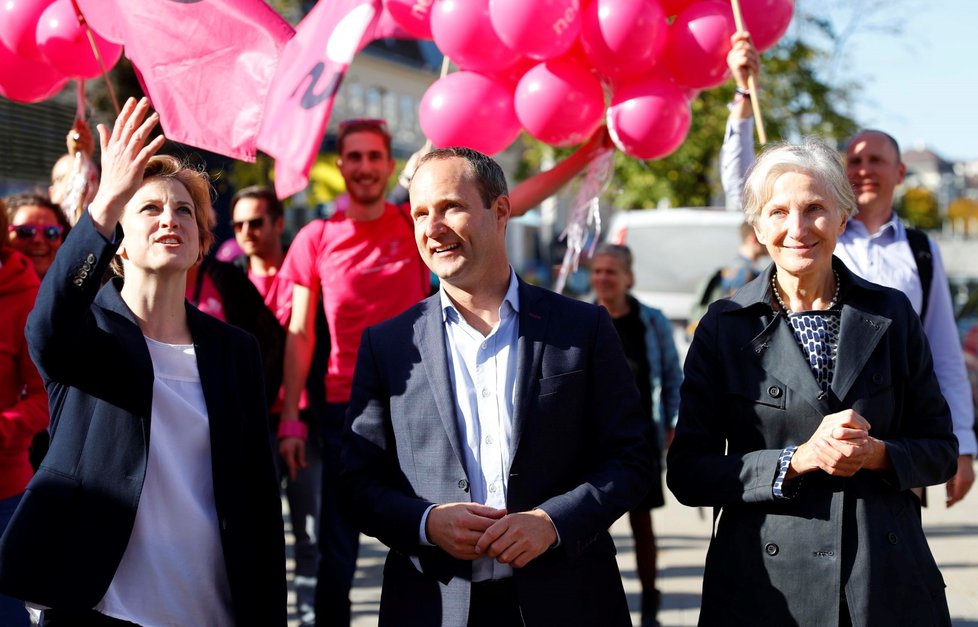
(98, 55)
(585, 213)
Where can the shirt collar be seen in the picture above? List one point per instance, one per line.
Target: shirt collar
(509, 306)
(891, 229)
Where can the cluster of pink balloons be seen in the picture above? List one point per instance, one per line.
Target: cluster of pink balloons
(548, 66)
(43, 45)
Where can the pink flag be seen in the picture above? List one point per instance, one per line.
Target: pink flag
(206, 65)
(313, 64)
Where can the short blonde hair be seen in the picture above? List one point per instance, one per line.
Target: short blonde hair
(198, 185)
(812, 157)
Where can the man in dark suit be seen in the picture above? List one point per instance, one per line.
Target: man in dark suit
(494, 431)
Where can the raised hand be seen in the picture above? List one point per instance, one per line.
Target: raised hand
(125, 152)
(743, 59)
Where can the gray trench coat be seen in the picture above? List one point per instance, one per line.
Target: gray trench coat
(748, 393)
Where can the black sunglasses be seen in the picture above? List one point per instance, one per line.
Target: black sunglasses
(28, 231)
(254, 223)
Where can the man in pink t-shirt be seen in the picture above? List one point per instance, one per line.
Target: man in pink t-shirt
(364, 263)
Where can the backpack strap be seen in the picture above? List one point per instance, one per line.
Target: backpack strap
(920, 247)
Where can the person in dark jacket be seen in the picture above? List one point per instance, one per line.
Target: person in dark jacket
(809, 411)
(156, 503)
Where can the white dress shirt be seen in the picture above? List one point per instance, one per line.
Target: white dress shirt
(483, 375)
(885, 258)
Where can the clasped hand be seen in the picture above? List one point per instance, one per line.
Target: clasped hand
(841, 446)
(468, 531)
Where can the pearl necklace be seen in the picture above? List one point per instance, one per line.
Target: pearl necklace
(777, 294)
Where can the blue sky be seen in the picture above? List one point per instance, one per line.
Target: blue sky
(919, 83)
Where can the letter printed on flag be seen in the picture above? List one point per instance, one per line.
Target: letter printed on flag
(305, 86)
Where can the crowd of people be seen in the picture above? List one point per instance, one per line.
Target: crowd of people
(395, 376)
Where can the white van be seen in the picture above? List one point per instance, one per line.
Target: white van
(675, 251)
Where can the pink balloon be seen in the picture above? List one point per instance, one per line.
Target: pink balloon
(559, 102)
(766, 20)
(104, 18)
(543, 29)
(469, 109)
(25, 80)
(414, 16)
(18, 23)
(463, 31)
(62, 40)
(674, 7)
(649, 118)
(623, 38)
(512, 75)
(699, 41)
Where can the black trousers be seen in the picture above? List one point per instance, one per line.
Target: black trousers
(495, 604)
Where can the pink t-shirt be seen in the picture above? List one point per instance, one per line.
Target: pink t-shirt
(368, 271)
(277, 292)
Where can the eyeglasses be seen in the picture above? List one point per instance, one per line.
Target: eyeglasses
(254, 223)
(28, 231)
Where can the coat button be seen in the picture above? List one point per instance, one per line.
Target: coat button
(463, 485)
(771, 549)
(774, 391)
(878, 379)
(90, 258)
(893, 538)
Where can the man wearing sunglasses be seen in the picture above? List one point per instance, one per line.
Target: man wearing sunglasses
(364, 263)
(37, 228)
(257, 218)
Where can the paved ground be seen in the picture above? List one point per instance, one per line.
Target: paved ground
(683, 537)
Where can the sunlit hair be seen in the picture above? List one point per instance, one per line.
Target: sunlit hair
(28, 199)
(363, 125)
(488, 176)
(198, 185)
(812, 157)
(273, 206)
(622, 253)
(889, 138)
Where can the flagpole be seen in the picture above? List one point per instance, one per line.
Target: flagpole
(751, 82)
(98, 55)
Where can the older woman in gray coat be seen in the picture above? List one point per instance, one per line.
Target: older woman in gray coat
(809, 411)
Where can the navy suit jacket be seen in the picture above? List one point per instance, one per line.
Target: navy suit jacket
(68, 535)
(581, 451)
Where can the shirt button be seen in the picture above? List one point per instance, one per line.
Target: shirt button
(774, 391)
(488, 439)
(771, 549)
(463, 485)
(485, 345)
(492, 488)
(485, 393)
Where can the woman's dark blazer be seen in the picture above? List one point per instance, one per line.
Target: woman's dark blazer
(748, 393)
(68, 535)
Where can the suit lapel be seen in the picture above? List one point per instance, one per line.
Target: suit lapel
(781, 357)
(859, 334)
(532, 333)
(429, 329)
